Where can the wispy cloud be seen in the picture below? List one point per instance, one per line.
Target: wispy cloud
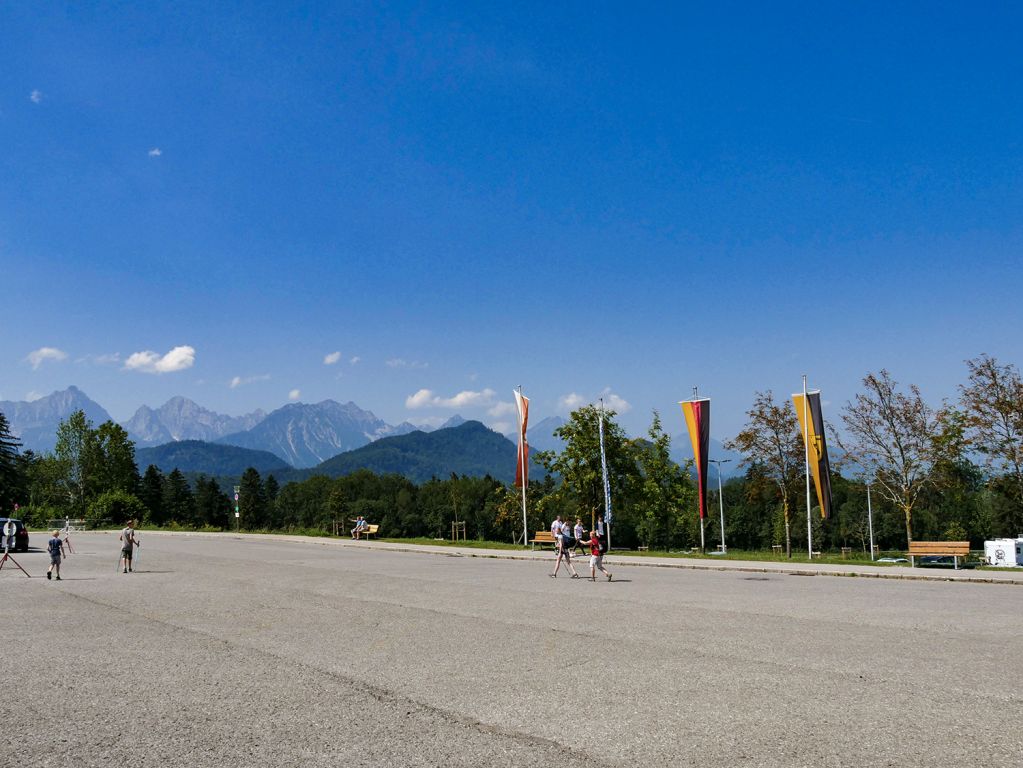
(332, 358)
(425, 398)
(41, 355)
(355, 360)
(32, 396)
(36, 96)
(502, 409)
(155, 152)
(110, 358)
(573, 401)
(397, 362)
(178, 359)
(241, 381)
(294, 394)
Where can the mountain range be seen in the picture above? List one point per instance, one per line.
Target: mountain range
(296, 435)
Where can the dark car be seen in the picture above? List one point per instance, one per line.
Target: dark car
(19, 541)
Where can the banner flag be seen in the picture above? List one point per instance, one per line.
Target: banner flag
(697, 413)
(603, 470)
(817, 447)
(522, 461)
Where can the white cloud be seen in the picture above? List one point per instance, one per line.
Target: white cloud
(178, 359)
(294, 394)
(239, 381)
(111, 358)
(397, 362)
(155, 152)
(504, 427)
(36, 96)
(41, 355)
(355, 360)
(502, 409)
(573, 401)
(332, 358)
(425, 398)
(32, 396)
(616, 403)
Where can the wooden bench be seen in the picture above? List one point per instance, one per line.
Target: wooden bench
(953, 549)
(369, 530)
(541, 538)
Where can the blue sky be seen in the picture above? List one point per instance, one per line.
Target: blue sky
(460, 198)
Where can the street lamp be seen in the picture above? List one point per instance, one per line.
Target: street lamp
(721, 501)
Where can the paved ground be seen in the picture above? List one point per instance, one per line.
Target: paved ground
(240, 651)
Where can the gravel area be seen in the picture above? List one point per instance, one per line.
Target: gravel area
(244, 650)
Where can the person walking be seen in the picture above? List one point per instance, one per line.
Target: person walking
(127, 539)
(564, 544)
(56, 549)
(579, 532)
(596, 556)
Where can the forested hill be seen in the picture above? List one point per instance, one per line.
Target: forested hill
(196, 456)
(468, 449)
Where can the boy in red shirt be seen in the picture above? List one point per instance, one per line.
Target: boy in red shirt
(596, 557)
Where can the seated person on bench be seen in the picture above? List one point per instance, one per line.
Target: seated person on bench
(360, 526)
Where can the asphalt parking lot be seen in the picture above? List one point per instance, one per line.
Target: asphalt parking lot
(237, 651)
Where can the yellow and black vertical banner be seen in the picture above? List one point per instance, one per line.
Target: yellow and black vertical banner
(697, 413)
(811, 426)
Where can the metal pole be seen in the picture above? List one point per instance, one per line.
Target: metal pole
(522, 463)
(721, 501)
(806, 455)
(870, 523)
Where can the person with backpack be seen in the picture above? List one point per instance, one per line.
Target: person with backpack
(56, 549)
(597, 549)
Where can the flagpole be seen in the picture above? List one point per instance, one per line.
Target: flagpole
(870, 523)
(522, 464)
(607, 485)
(806, 455)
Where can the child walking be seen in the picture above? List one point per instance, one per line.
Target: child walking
(56, 548)
(596, 557)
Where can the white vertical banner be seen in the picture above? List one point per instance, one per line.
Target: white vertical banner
(607, 482)
(522, 463)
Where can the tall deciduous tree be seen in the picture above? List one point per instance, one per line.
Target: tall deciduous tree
(992, 405)
(77, 454)
(115, 467)
(773, 450)
(578, 464)
(895, 435)
(665, 491)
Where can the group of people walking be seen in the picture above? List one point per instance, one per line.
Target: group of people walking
(568, 538)
(55, 547)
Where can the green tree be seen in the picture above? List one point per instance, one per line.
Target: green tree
(77, 461)
(894, 434)
(773, 452)
(578, 465)
(115, 460)
(251, 501)
(992, 408)
(212, 506)
(115, 506)
(151, 495)
(665, 491)
(178, 500)
(12, 475)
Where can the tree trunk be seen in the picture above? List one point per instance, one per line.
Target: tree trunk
(909, 525)
(788, 535)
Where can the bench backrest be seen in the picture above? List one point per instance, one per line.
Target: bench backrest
(372, 528)
(544, 536)
(960, 548)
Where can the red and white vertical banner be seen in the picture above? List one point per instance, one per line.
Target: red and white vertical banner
(522, 463)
